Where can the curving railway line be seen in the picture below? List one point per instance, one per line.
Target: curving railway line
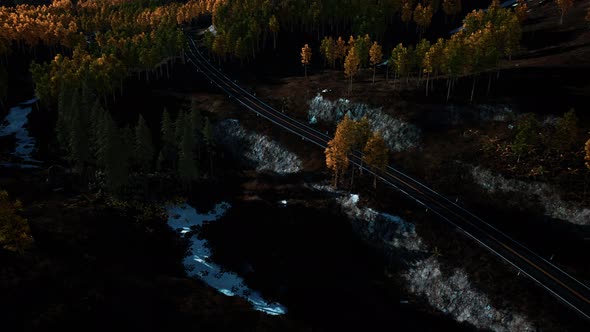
(557, 282)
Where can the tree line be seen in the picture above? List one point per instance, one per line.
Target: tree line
(244, 27)
(102, 150)
(485, 38)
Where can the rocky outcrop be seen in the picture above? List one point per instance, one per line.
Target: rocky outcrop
(452, 293)
(398, 134)
(537, 192)
(259, 151)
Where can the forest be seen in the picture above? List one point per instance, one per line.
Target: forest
(161, 158)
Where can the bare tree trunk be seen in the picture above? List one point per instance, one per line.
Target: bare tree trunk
(473, 87)
(448, 89)
(427, 82)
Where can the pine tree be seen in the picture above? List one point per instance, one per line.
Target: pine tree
(179, 125)
(65, 101)
(209, 139)
(351, 66)
(187, 168)
(376, 54)
(96, 117)
(15, 233)
(376, 154)
(587, 150)
(526, 136)
(167, 156)
(167, 130)
(79, 145)
(144, 149)
(566, 133)
(116, 158)
(305, 57)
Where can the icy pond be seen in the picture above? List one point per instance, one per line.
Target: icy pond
(183, 217)
(15, 124)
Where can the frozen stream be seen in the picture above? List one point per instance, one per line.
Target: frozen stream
(15, 124)
(183, 217)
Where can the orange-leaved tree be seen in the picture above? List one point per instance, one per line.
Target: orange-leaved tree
(376, 55)
(351, 65)
(564, 7)
(376, 154)
(305, 57)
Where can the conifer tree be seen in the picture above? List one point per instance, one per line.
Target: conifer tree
(115, 154)
(167, 155)
(144, 149)
(179, 126)
(96, 116)
(187, 168)
(526, 136)
(587, 150)
(15, 233)
(79, 145)
(209, 140)
(566, 132)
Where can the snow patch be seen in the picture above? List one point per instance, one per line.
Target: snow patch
(452, 294)
(455, 295)
(265, 153)
(14, 124)
(398, 134)
(184, 218)
(547, 196)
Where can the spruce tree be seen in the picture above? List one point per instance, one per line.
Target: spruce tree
(167, 154)
(187, 168)
(566, 133)
(144, 150)
(209, 140)
(114, 155)
(79, 145)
